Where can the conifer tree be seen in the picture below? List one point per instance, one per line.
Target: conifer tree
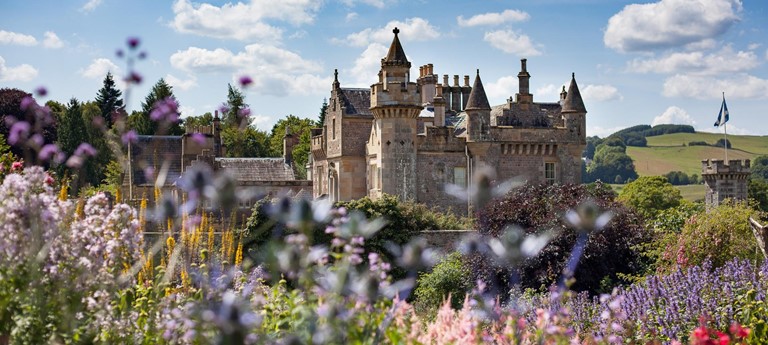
(235, 105)
(109, 101)
(142, 122)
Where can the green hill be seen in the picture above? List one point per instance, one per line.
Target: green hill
(670, 152)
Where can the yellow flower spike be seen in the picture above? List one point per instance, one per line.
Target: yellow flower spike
(157, 196)
(79, 210)
(63, 192)
(239, 253)
(170, 243)
(143, 213)
(118, 195)
(211, 239)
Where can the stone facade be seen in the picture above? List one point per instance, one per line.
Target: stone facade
(162, 160)
(725, 181)
(411, 139)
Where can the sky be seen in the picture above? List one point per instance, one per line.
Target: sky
(668, 61)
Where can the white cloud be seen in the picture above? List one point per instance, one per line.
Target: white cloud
(90, 6)
(766, 54)
(23, 72)
(261, 121)
(704, 44)
(241, 21)
(548, 93)
(601, 93)
(412, 30)
(504, 87)
(493, 18)
(732, 129)
(52, 41)
(704, 87)
(363, 73)
(673, 116)
(274, 71)
(722, 61)
(186, 111)
(99, 68)
(753, 46)
(374, 3)
(511, 42)
(181, 84)
(8, 37)
(669, 23)
(351, 16)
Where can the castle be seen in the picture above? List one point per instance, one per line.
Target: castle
(411, 139)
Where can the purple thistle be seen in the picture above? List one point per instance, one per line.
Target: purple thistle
(130, 137)
(119, 53)
(18, 132)
(133, 77)
(245, 81)
(47, 152)
(165, 110)
(245, 112)
(41, 91)
(26, 103)
(85, 149)
(198, 138)
(133, 42)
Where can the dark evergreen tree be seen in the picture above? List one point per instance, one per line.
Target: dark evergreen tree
(109, 101)
(235, 106)
(72, 132)
(323, 109)
(144, 124)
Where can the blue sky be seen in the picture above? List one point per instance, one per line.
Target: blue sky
(636, 63)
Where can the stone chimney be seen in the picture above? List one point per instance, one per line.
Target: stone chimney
(288, 142)
(524, 98)
(439, 103)
(217, 135)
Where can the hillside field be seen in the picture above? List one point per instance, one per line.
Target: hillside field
(670, 152)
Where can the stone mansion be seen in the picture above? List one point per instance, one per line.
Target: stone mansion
(411, 139)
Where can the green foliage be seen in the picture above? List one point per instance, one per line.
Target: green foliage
(300, 128)
(449, 278)
(758, 192)
(71, 135)
(668, 129)
(635, 139)
(679, 178)
(95, 167)
(648, 195)
(109, 101)
(323, 109)
(235, 105)
(723, 143)
(609, 253)
(245, 142)
(143, 124)
(589, 150)
(200, 120)
(697, 143)
(759, 168)
(717, 235)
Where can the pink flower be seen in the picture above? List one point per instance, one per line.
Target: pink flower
(17, 166)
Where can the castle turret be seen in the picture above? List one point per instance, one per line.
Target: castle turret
(725, 180)
(478, 112)
(395, 104)
(574, 112)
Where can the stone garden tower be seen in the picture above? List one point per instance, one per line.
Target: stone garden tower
(395, 104)
(725, 181)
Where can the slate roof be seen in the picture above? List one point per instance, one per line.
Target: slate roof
(257, 169)
(150, 153)
(356, 101)
(477, 98)
(396, 54)
(573, 102)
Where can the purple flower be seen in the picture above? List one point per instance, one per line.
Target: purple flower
(133, 42)
(85, 149)
(199, 138)
(41, 91)
(245, 112)
(18, 132)
(37, 139)
(26, 102)
(223, 108)
(245, 81)
(74, 162)
(142, 55)
(133, 77)
(47, 152)
(130, 137)
(165, 110)
(119, 53)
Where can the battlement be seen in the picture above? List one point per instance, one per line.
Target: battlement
(718, 166)
(199, 129)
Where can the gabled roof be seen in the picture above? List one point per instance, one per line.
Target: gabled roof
(356, 101)
(477, 98)
(573, 102)
(257, 169)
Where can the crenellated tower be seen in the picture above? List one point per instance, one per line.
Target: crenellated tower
(395, 104)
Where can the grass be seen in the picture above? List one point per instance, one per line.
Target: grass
(670, 152)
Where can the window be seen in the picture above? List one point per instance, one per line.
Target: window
(334, 129)
(460, 176)
(549, 172)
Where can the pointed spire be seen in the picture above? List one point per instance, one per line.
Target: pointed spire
(396, 54)
(477, 98)
(336, 79)
(573, 102)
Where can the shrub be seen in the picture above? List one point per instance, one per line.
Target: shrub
(698, 143)
(650, 194)
(723, 143)
(449, 278)
(539, 208)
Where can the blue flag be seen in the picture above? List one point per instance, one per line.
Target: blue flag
(722, 118)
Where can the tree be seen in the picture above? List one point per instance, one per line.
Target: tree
(40, 121)
(297, 127)
(72, 133)
(109, 101)
(648, 195)
(245, 142)
(759, 168)
(200, 120)
(323, 109)
(96, 166)
(609, 254)
(169, 123)
(234, 116)
(758, 192)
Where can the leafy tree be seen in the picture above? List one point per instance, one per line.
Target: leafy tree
(10, 105)
(109, 101)
(297, 127)
(235, 106)
(759, 168)
(717, 235)
(245, 142)
(200, 120)
(723, 142)
(10, 108)
(144, 125)
(648, 195)
(589, 150)
(758, 191)
(609, 254)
